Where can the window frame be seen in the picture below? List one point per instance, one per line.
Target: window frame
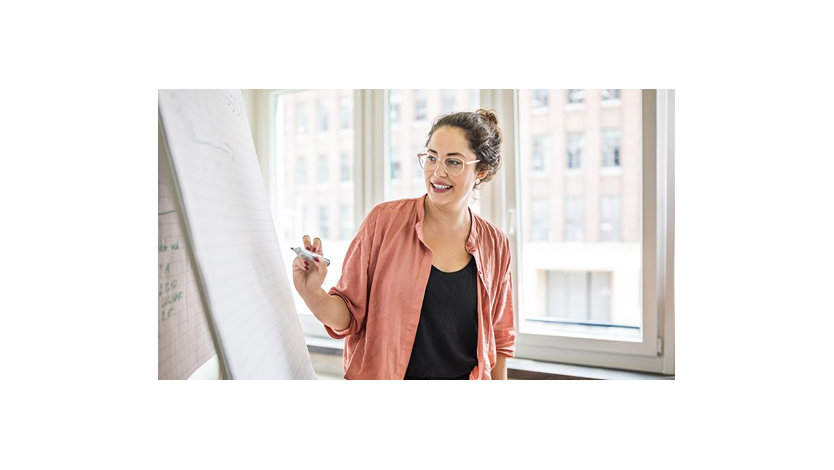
(499, 204)
(653, 353)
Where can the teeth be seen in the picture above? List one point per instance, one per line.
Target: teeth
(440, 186)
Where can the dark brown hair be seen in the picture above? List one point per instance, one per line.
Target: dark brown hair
(482, 133)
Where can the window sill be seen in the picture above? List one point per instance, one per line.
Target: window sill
(520, 369)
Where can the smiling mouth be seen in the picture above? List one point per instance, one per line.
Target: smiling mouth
(440, 186)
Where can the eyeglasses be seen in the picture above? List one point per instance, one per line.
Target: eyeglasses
(453, 165)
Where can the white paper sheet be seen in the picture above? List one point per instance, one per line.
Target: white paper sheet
(233, 236)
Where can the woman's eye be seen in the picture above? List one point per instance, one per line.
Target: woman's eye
(453, 162)
(431, 158)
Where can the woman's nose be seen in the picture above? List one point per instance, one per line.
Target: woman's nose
(442, 167)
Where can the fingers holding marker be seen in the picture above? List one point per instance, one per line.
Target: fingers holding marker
(300, 264)
(317, 246)
(305, 241)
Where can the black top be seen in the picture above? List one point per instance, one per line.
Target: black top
(447, 335)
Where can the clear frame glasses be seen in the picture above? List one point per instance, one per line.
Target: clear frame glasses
(453, 165)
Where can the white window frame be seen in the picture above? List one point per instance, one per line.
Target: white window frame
(655, 352)
(499, 204)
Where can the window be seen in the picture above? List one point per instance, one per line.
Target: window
(345, 222)
(611, 147)
(574, 219)
(576, 96)
(417, 171)
(539, 219)
(346, 166)
(346, 112)
(448, 102)
(394, 107)
(322, 116)
(421, 104)
(295, 161)
(324, 224)
(396, 164)
(576, 298)
(323, 167)
(539, 156)
(610, 95)
(575, 143)
(541, 99)
(301, 169)
(301, 118)
(587, 283)
(609, 225)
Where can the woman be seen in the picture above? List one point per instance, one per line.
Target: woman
(425, 291)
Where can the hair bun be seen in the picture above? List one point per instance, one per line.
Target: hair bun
(489, 116)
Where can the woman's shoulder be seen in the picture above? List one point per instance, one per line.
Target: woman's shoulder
(384, 214)
(395, 208)
(489, 232)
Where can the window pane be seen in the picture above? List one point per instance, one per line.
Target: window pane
(574, 219)
(312, 173)
(410, 116)
(540, 151)
(574, 149)
(611, 147)
(580, 241)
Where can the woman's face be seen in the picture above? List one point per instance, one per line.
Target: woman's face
(443, 187)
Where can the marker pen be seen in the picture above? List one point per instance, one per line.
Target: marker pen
(310, 255)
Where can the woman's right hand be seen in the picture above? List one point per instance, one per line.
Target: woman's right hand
(307, 275)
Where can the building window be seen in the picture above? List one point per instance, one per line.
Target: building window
(539, 219)
(448, 98)
(579, 296)
(574, 219)
(396, 164)
(419, 172)
(345, 222)
(322, 115)
(575, 142)
(301, 169)
(540, 99)
(346, 167)
(323, 168)
(421, 104)
(609, 225)
(323, 222)
(346, 112)
(610, 95)
(576, 96)
(301, 118)
(395, 101)
(611, 147)
(540, 154)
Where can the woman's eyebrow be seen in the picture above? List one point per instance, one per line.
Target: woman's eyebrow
(448, 154)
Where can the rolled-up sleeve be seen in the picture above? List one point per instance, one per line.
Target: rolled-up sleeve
(503, 320)
(354, 284)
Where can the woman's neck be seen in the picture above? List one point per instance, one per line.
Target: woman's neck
(447, 221)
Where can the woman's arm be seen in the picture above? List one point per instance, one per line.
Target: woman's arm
(499, 372)
(329, 309)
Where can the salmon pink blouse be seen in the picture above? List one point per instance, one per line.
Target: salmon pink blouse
(384, 277)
